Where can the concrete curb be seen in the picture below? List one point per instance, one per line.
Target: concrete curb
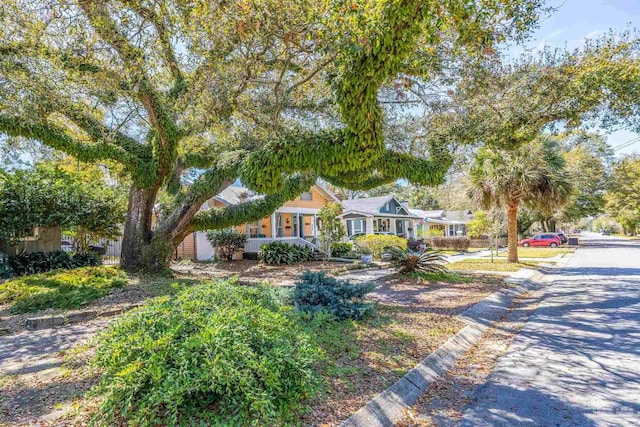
(389, 406)
(45, 322)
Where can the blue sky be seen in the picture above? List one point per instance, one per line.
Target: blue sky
(576, 20)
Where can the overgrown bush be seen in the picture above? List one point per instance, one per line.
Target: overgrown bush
(215, 354)
(60, 289)
(455, 243)
(340, 249)
(284, 253)
(41, 262)
(377, 242)
(227, 242)
(427, 261)
(317, 292)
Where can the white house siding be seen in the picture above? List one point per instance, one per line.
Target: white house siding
(205, 250)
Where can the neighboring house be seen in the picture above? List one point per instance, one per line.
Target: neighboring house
(384, 214)
(295, 222)
(451, 223)
(39, 239)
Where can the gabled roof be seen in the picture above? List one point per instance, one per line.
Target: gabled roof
(370, 206)
(234, 195)
(428, 214)
(442, 216)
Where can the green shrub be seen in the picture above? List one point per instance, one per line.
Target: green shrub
(376, 243)
(227, 242)
(215, 354)
(427, 261)
(435, 232)
(60, 289)
(284, 253)
(316, 292)
(455, 243)
(41, 262)
(340, 249)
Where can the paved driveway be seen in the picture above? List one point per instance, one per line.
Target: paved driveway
(577, 361)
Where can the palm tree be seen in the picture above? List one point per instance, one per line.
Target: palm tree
(533, 174)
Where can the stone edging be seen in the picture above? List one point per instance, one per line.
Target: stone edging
(389, 406)
(44, 322)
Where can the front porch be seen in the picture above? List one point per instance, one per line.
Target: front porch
(364, 224)
(298, 226)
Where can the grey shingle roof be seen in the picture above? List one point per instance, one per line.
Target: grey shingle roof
(369, 205)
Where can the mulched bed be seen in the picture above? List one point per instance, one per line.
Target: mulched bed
(362, 358)
(414, 318)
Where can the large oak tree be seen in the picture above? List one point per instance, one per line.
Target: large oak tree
(275, 93)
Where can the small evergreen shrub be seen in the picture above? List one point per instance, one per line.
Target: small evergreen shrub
(427, 261)
(284, 253)
(216, 354)
(316, 292)
(40, 262)
(227, 242)
(376, 243)
(341, 249)
(60, 289)
(455, 243)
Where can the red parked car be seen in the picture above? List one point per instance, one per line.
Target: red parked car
(551, 240)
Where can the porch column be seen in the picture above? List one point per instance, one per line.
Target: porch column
(392, 223)
(425, 229)
(368, 225)
(273, 225)
(314, 225)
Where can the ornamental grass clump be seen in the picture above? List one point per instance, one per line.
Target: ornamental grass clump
(216, 354)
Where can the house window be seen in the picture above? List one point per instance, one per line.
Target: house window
(254, 229)
(306, 196)
(279, 225)
(357, 226)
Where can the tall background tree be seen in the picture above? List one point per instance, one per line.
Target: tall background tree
(533, 174)
(275, 93)
(622, 197)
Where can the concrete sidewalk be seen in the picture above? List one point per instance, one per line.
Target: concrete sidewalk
(577, 361)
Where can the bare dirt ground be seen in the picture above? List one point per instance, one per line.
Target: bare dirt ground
(252, 271)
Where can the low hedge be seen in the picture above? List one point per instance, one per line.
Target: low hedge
(341, 249)
(455, 243)
(376, 243)
(60, 289)
(284, 253)
(217, 354)
(41, 262)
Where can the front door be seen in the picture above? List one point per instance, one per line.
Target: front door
(400, 227)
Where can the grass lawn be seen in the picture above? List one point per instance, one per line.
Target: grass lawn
(539, 252)
(60, 289)
(487, 265)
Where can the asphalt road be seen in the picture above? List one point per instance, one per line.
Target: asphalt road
(577, 361)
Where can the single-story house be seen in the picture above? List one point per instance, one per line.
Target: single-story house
(295, 222)
(383, 214)
(451, 223)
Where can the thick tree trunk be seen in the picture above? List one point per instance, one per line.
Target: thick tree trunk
(138, 230)
(512, 231)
